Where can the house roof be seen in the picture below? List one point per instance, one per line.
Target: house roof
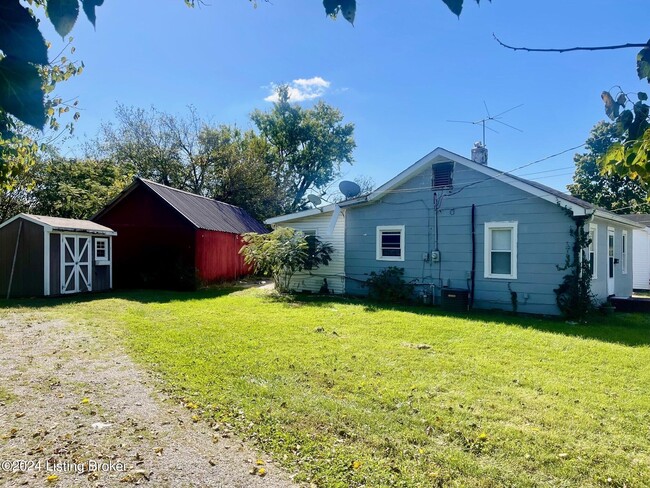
(58, 223)
(202, 212)
(577, 206)
(643, 219)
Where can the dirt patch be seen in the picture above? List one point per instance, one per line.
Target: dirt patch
(75, 411)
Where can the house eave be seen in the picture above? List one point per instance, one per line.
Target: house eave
(300, 215)
(602, 214)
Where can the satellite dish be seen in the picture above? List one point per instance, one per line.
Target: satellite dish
(349, 188)
(315, 200)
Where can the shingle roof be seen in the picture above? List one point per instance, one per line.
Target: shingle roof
(565, 196)
(58, 223)
(206, 213)
(639, 218)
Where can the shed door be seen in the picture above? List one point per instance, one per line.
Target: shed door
(75, 264)
(610, 261)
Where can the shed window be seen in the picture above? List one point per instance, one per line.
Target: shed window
(501, 250)
(443, 175)
(101, 249)
(593, 250)
(390, 243)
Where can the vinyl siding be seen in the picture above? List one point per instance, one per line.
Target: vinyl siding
(542, 239)
(641, 260)
(335, 270)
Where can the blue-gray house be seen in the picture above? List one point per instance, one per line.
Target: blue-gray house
(456, 223)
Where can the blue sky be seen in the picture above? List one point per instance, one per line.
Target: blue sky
(402, 71)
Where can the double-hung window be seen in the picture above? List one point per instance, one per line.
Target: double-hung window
(390, 243)
(501, 250)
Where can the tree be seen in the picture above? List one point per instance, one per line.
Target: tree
(239, 170)
(308, 146)
(76, 189)
(612, 191)
(630, 155)
(282, 253)
(219, 162)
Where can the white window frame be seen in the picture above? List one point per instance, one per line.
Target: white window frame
(106, 258)
(391, 228)
(593, 249)
(624, 252)
(489, 227)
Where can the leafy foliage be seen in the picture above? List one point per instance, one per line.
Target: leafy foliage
(629, 157)
(282, 253)
(24, 49)
(609, 191)
(307, 146)
(76, 188)
(389, 286)
(574, 296)
(220, 162)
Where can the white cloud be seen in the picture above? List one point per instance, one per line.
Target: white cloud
(302, 89)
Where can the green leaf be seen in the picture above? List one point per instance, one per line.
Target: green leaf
(63, 15)
(19, 34)
(89, 9)
(456, 6)
(643, 63)
(642, 96)
(349, 10)
(21, 93)
(331, 7)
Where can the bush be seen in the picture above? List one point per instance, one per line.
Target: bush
(389, 286)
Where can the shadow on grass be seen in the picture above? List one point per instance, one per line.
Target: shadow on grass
(628, 329)
(140, 296)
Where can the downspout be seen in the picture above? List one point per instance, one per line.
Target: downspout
(13, 263)
(472, 275)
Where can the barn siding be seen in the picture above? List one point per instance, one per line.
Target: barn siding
(154, 246)
(29, 269)
(217, 256)
(334, 272)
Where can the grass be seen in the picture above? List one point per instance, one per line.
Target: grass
(349, 394)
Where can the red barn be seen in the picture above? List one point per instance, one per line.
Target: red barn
(168, 238)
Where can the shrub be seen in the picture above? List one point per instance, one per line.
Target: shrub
(389, 286)
(284, 252)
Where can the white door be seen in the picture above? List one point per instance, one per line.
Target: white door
(610, 261)
(75, 264)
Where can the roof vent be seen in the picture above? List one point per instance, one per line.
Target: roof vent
(480, 153)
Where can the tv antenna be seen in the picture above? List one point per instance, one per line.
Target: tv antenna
(490, 118)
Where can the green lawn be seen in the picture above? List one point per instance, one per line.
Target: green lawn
(349, 394)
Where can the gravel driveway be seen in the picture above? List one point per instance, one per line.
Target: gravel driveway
(75, 411)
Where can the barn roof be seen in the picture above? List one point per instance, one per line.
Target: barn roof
(58, 223)
(202, 212)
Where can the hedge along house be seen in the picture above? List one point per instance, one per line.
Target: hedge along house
(457, 224)
(173, 239)
(45, 256)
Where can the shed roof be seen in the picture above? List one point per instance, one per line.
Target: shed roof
(59, 223)
(202, 212)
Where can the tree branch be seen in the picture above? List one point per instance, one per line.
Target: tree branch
(569, 49)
